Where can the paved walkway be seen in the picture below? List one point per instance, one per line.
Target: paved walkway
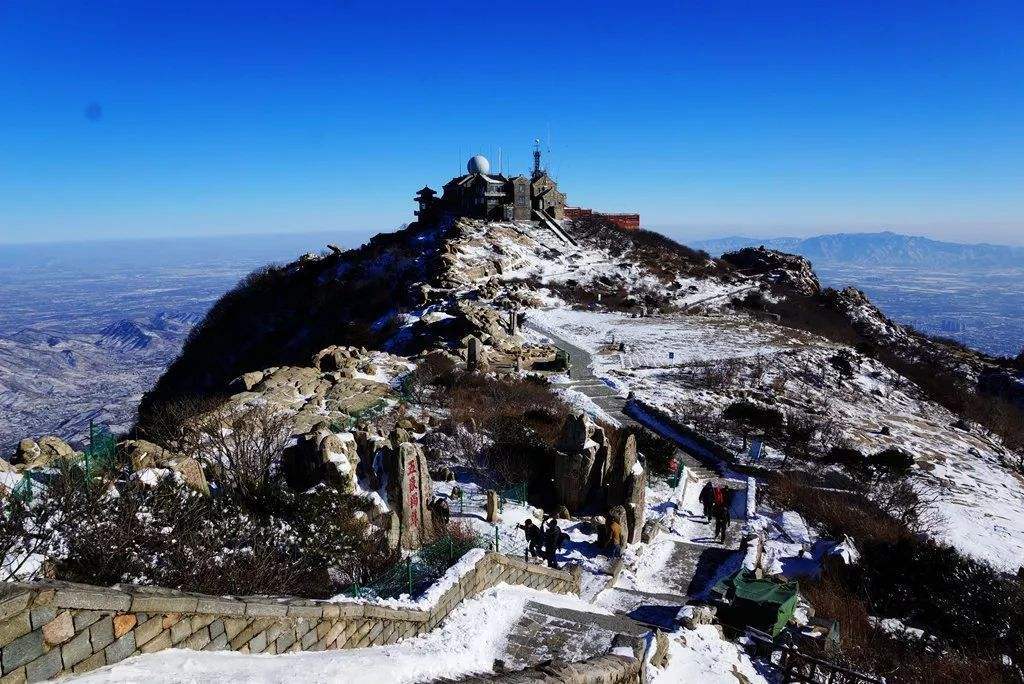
(690, 561)
(582, 379)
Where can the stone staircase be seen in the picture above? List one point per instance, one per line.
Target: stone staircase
(582, 379)
(696, 562)
(546, 632)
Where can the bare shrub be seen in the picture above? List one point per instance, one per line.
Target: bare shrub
(897, 657)
(714, 375)
(748, 417)
(509, 427)
(245, 445)
(175, 424)
(906, 503)
(839, 513)
(434, 369)
(311, 545)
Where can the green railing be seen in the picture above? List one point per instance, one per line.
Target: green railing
(415, 573)
(23, 490)
(98, 457)
(517, 493)
(100, 452)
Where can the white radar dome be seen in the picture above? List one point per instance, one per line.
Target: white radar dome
(478, 164)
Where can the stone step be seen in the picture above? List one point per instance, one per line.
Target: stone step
(546, 632)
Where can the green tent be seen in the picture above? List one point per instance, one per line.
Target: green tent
(764, 604)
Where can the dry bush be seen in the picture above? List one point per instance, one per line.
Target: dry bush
(899, 658)
(513, 424)
(839, 513)
(972, 611)
(714, 375)
(168, 535)
(175, 424)
(245, 445)
(434, 370)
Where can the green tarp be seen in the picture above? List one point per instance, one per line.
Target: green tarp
(764, 604)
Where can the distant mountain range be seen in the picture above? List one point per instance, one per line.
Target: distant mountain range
(52, 382)
(881, 249)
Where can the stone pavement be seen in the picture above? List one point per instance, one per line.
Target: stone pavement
(550, 633)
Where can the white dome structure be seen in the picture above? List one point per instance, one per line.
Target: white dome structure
(478, 164)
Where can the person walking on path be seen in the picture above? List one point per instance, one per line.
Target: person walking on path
(707, 499)
(553, 537)
(615, 539)
(533, 538)
(722, 519)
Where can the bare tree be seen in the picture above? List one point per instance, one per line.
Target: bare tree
(246, 444)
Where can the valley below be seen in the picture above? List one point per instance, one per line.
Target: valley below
(87, 328)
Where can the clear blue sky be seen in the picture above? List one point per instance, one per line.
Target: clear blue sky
(122, 119)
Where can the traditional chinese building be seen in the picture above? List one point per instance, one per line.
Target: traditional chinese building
(481, 194)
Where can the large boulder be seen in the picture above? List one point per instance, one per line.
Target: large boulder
(618, 471)
(636, 504)
(27, 452)
(339, 459)
(144, 454)
(42, 452)
(581, 461)
(336, 358)
(191, 472)
(410, 491)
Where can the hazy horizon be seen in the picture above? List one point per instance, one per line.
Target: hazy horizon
(679, 233)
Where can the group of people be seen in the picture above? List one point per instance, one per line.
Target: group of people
(716, 499)
(544, 540)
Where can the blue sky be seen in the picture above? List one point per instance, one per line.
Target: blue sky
(132, 119)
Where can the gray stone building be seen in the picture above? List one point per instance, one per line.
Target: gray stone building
(481, 194)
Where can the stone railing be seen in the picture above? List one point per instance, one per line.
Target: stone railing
(53, 628)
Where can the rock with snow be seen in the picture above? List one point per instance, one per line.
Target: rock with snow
(42, 452)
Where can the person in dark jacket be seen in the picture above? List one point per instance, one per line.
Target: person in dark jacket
(722, 519)
(533, 538)
(707, 499)
(553, 538)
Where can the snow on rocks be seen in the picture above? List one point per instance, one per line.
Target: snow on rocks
(977, 498)
(704, 655)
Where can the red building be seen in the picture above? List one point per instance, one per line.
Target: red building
(623, 221)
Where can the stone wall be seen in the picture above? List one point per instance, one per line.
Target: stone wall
(53, 628)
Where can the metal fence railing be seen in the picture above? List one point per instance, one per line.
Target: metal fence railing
(516, 493)
(98, 457)
(418, 571)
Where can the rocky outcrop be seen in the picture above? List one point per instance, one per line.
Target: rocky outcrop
(339, 458)
(787, 270)
(587, 472)
(583, 452)
(42, 452)
(144, 455)
(342, 382)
